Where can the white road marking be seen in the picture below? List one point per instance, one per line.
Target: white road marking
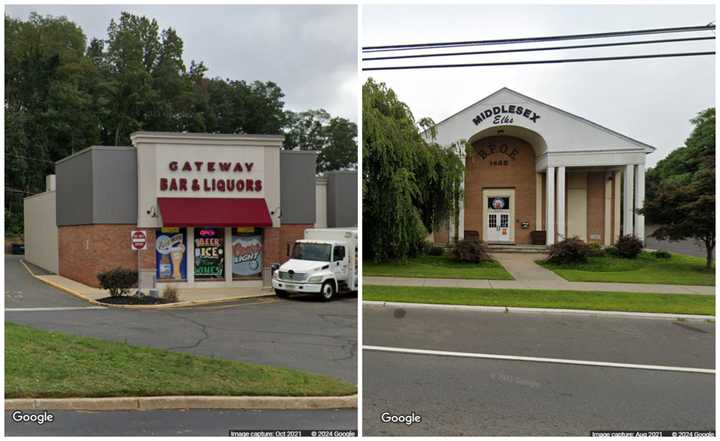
(59, 308)
(538, 359)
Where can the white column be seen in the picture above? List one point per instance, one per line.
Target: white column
(550, 205)
(461, 211)
(538, 201)
(228, 255)
(616, 205)
(628, 193)
(561, 203)
(639, 201)
(607, 211)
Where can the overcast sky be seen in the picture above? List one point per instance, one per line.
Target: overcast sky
(649, 100)
(309, 51)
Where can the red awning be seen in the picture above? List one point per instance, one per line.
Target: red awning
(214, 212)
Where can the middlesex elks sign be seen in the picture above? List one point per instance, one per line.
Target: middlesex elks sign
(505, 114)
(237, 183)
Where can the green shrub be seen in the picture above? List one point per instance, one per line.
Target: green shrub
(660, 254)
(611, 251)
(595, 250)
(572, 250)
(628, 246)
(436, 251)
(469, 250)
(118, 281)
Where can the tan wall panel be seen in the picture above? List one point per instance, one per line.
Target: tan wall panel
(596, 207)
(41, 231)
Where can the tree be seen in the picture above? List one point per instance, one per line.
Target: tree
(681, 190)
(334, 137)
(47, 115)
(410, 184)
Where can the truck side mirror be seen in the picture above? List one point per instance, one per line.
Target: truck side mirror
(275, 266)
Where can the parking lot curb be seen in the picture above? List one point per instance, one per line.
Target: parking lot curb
(183, 402)
(511, 309)
(160, 306)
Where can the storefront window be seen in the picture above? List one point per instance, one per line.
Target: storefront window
(170, 255)
(209, 254)
(247, 248)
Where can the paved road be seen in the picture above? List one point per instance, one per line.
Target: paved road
(24, 291)
(463, 396)
(184, 423)
(299, 332)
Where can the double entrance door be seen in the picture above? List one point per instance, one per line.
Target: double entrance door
(499, 216)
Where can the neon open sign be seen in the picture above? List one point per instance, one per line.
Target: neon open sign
(206, 233)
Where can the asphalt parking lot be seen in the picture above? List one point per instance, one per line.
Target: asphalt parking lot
(300, 332)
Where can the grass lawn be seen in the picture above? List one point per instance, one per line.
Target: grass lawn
(437, 267)
(530, 298)
(678, 270)
(41, 364)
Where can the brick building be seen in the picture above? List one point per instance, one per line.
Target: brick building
(217, 210)
(537, 174)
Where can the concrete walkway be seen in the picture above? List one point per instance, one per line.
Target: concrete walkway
(186, 296)
(529, 275)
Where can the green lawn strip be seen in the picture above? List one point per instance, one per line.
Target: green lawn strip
(646, 268)
(41, 364)
(532, 298)
(437, 267)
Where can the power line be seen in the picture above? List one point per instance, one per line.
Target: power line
(533, 49)
(516, 63)
(402, 47)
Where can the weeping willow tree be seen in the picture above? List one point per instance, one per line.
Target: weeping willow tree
(411, 185)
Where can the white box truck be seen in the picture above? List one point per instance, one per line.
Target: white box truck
(324, 262)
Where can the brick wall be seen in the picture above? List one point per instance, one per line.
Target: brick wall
(518, 174)
(271, 245)
(85, 250)
(288, 235)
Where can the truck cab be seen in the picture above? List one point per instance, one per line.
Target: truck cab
(324, 263)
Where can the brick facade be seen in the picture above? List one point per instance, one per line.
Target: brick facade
(288, 235)
(86, 250)
(500, 170)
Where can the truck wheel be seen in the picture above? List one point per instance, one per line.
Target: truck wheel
(327, 292)
(281, 293)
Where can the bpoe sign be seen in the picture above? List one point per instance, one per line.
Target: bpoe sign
(138, 240)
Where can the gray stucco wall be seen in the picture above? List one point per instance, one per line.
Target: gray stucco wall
(74, 200)
(115, 185)
(97, 186)
(297, 187)
(342, 199)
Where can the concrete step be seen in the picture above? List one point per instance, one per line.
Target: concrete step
(536, 249)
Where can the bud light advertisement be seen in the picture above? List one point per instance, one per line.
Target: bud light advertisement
(246, 255)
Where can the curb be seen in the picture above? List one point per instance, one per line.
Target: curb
(579, 312)
(160, 306)
(183, 402)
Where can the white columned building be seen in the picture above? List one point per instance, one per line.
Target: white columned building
(537, 174)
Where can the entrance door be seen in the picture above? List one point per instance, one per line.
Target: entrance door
(499, 222)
